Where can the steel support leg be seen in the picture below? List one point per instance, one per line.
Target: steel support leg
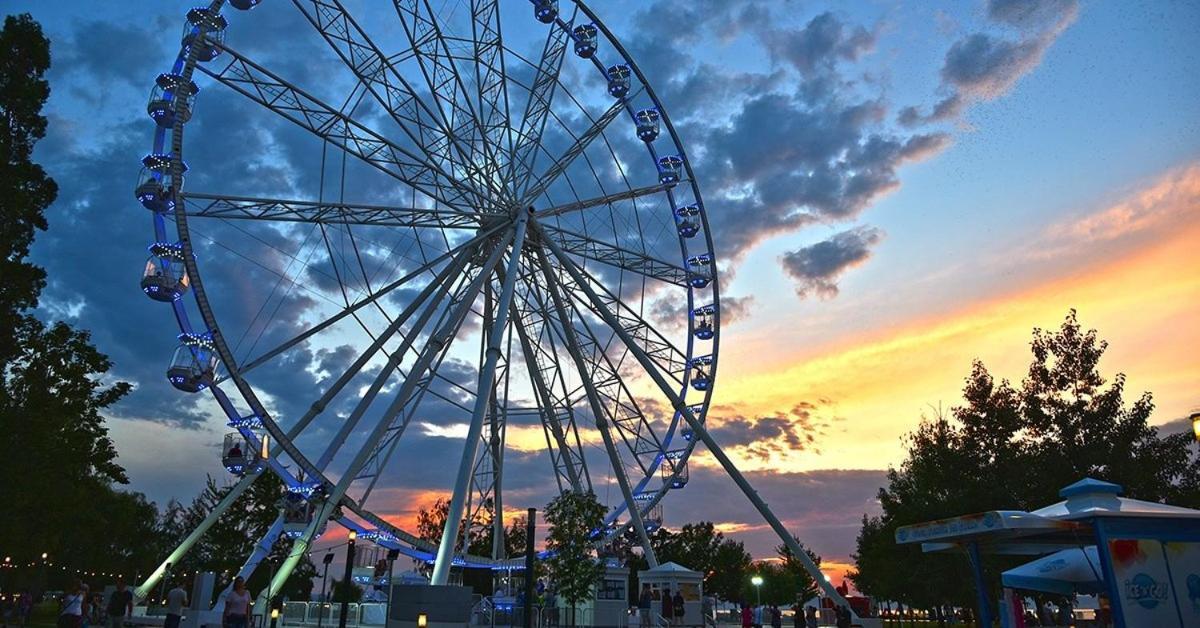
(610, 447)
(445, 554)
(173, 558)
(698, 428)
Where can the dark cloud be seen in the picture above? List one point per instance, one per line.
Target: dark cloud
(767, 437)
(1032, 15)
(817, 267)
(821, 43)
(983, 66)
(778, 151)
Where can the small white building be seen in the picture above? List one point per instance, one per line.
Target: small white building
(672, 578)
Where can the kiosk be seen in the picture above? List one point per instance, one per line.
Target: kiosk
(676, 578)
(1144, 557)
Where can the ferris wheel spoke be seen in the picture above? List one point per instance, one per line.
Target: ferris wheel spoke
(380, 76)
(623, 409)
(542, 365)
(422, 377)
(491, 80)
(575, 150)
(486, 490)
(599, 410)
(275, 94)
(537, 108)
(605, 200)
(613, 255)
(672, 359)
(429, 296)
(444, 334)
(206, 205)
(445, 84)
(461, 250)
(382, 453)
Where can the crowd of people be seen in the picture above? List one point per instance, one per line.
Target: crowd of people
(17, 608)
(667, 605)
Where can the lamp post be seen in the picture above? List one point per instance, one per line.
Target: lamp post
(346, 580)
(324, 581)
(757, 582)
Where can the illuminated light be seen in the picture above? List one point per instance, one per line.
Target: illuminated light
(1196, 424)
(756, 581)
(353, 535)
(274, 613)
(422, 620)
(266, 447)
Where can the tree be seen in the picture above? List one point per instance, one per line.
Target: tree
(1011, 447)
(343, 591)
(25, 189)
(55, 456)
(725, 563)
(798, 584)
(431, 522)
(573, 519)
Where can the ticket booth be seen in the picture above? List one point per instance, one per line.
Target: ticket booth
(670, 577)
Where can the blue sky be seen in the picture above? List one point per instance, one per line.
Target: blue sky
(852, 235)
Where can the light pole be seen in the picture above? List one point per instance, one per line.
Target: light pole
(757, 581)
(324, 603)
(347, 580)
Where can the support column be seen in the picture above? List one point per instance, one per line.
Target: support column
(985, 607)
(173, 558)
(445, 554)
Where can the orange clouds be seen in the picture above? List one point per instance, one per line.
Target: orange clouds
(1132, 271)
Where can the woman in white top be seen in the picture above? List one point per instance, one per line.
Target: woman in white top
(71, 615)
(237, 605)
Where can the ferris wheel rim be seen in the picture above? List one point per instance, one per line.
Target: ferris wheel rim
(249, 395)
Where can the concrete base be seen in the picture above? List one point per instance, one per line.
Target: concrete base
(443, 606)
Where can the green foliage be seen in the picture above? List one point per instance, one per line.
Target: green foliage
(1014, 447)
(431, 521)
(344, 591)
(25, 189)
(797, 583)
(573, 563)
(699, 546)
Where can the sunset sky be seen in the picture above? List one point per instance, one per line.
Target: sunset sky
(896, 189)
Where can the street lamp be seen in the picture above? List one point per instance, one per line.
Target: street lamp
(347, 579)
(324, 580)
(757, 582)
(1196, 424)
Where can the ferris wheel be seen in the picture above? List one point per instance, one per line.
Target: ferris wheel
(499, 235)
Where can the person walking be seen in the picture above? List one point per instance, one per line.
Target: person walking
(237, 605)
(120, 605)
(177, 600)
(843, 617)
(25, 607)
(810, 617)
(776, 617)
(678, 607)
(70, 611)
(667, 606)
(747, 616)
(645, 606)
(758, 616)
(88, 606)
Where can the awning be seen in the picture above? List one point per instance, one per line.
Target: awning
(1065, 573)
